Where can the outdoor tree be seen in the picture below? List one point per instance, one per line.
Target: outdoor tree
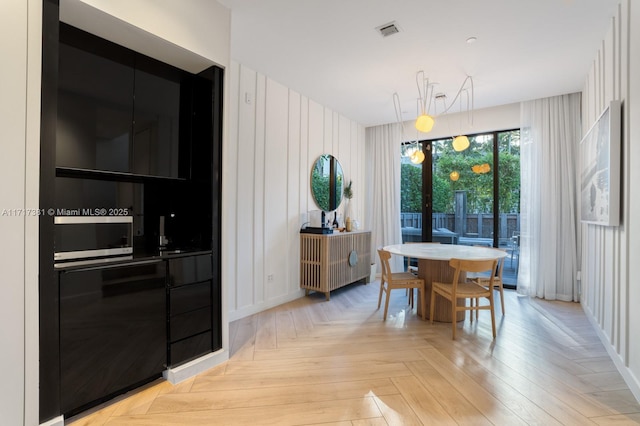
(478, 185)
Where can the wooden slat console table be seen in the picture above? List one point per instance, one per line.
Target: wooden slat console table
(328, 262)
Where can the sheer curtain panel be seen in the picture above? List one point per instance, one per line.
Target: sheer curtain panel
(383, 197)
(550, 135)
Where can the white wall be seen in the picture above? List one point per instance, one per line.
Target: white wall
(20, 27)
(275, 135)
(609, 255)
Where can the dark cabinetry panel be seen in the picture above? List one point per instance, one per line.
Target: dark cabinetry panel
(190, 323)
(112, 333)
(188, 270)
(118, 110)
(95, 98)
(121, 130)
(191, 312)
(189, 297)
(190, 348)
(49, 338)
(156, 119)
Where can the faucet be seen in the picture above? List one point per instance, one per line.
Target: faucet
(163, 239)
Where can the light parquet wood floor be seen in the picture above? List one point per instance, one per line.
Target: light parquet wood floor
(313, 362)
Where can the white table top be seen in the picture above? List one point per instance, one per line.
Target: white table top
(445, 251)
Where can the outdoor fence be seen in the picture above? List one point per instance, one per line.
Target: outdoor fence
(479, 225)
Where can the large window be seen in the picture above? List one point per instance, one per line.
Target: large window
(470, 197)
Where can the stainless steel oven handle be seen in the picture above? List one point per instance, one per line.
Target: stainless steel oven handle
(74, 220)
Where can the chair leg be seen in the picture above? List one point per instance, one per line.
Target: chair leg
(472, 302)
(422, 304)
(433, 305)
(381, 290)
(501, 298)
(493, 316)
(386, 303)
(453, 319)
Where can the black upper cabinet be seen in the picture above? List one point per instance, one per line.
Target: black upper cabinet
(156, 119)
(118, 111)
(95, 99)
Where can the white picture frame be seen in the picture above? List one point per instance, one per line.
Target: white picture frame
(600, 169)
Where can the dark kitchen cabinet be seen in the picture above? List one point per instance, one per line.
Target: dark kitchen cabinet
(95, 97)
(112, 331)
(118, 111)
(190, 308)
(120, 130)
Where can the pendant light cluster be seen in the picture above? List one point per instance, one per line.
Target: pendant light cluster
(425, 121)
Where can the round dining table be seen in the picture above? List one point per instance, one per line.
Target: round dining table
(433, 265)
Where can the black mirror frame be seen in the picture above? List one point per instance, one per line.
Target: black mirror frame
(327, 190)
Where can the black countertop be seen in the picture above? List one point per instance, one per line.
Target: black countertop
(139, 256)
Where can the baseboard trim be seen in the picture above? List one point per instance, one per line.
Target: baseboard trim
(259, 307)
(628, 376)
(186, 371)
(56, 421)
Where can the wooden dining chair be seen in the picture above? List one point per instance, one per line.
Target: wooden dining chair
(497, 279)
(466, 290)
(397, 280)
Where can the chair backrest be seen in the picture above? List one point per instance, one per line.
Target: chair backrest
(464, 265)
(384, 261)
(500, 265)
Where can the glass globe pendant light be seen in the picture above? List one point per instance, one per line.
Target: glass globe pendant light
(460, 143)
(417, 156)
(424, 123)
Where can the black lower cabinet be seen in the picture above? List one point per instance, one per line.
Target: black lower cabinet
(190, 309)
(112, 331)
(190, 348)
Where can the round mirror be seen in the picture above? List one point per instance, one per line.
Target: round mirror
(327, 180)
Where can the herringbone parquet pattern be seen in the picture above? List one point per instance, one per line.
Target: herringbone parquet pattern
(313, 362)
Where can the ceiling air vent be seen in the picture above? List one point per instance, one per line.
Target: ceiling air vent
(388, 29)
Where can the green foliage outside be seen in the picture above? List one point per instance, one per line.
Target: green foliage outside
(320, 188)
(411, 184)
(479, 187)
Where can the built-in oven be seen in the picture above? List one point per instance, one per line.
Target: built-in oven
(92, 237)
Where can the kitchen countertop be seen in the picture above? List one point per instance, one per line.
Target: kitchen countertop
(139, 256)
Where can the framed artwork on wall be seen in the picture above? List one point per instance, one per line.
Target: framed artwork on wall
(600, 169)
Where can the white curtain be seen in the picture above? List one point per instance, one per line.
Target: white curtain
(383, 189)
(550, 134)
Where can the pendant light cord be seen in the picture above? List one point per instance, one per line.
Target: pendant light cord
(453, 102)
(398, 110)
(423, 92)
(396, 106)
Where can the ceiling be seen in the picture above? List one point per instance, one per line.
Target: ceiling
(331, 52)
